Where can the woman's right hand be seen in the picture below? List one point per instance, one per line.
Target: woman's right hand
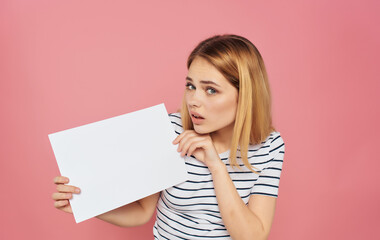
(65, 192)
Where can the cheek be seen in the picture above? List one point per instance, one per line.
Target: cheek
(225, 108)
(186, 97)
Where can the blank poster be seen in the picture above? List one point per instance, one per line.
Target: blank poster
(118, 160)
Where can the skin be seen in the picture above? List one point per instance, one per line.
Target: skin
(216, 101)
(218, 105)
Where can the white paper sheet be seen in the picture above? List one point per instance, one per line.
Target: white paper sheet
(118, 160)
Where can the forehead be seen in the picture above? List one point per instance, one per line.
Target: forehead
(201, 69)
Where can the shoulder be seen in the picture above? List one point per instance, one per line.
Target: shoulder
(272, 145)
(175, 119)
(276, 143)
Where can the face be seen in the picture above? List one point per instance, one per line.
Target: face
(211, 96)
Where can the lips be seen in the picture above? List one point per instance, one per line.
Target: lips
(196, 115)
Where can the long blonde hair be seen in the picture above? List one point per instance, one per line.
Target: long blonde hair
(239, 61)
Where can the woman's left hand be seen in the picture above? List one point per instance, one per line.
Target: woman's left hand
(199, 145)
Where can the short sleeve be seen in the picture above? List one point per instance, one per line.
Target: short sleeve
(175, 119)
(269, 178)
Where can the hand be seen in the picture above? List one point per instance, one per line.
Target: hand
(65, 192)
(199, 145)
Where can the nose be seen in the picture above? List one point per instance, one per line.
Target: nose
(194, 99)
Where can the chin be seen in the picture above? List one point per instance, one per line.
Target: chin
(200, 130)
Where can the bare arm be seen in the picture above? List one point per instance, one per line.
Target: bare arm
(242, 222)
(133, 214)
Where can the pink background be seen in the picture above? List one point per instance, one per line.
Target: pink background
(69, 63)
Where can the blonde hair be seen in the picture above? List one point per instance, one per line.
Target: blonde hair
(239, 61)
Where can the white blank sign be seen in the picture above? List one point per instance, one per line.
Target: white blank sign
(118, 160)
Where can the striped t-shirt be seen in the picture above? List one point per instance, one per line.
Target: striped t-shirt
(190, 210)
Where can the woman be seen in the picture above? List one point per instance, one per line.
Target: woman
(233, 153)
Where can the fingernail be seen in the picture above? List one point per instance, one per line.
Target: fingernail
(77, 190)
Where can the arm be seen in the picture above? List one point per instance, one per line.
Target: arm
(242, 222)
(254, 220)
(133, 214)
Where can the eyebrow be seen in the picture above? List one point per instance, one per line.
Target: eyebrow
(203, 81)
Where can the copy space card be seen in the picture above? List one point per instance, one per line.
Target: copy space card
(118, 160)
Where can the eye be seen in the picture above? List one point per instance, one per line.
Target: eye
(211, 91)
(189, 86)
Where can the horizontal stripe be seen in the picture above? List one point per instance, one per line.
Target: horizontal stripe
(276, 160)
(199, 174)
(199, 189)
(158, 218)
(192, 235)
(261, 176)
(194, 204)
(198, 210)
(254, 150)
(268, 185)
(181, 215)
(195, 165)
(212, 215)
(276, 148)
(252, 164)
(206, 181)
(155, 236)
(275, 139)
(267, 194)
(241, 172)
(243, 180)
(198, 229)
(213, 223)
(272, 168)
(176, 124)
(205, 196)
(259, 155)
(172, 115)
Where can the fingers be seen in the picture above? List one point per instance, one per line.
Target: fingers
(189, 142)
(65, 192)
(67, 188)
(182, 135)
(183, 140)
(193, 147)
(61, 196)
(66, 208)
(62, 203)
(179, 137)
(60, 180)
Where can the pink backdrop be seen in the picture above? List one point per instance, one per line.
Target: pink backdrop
(69, 63)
